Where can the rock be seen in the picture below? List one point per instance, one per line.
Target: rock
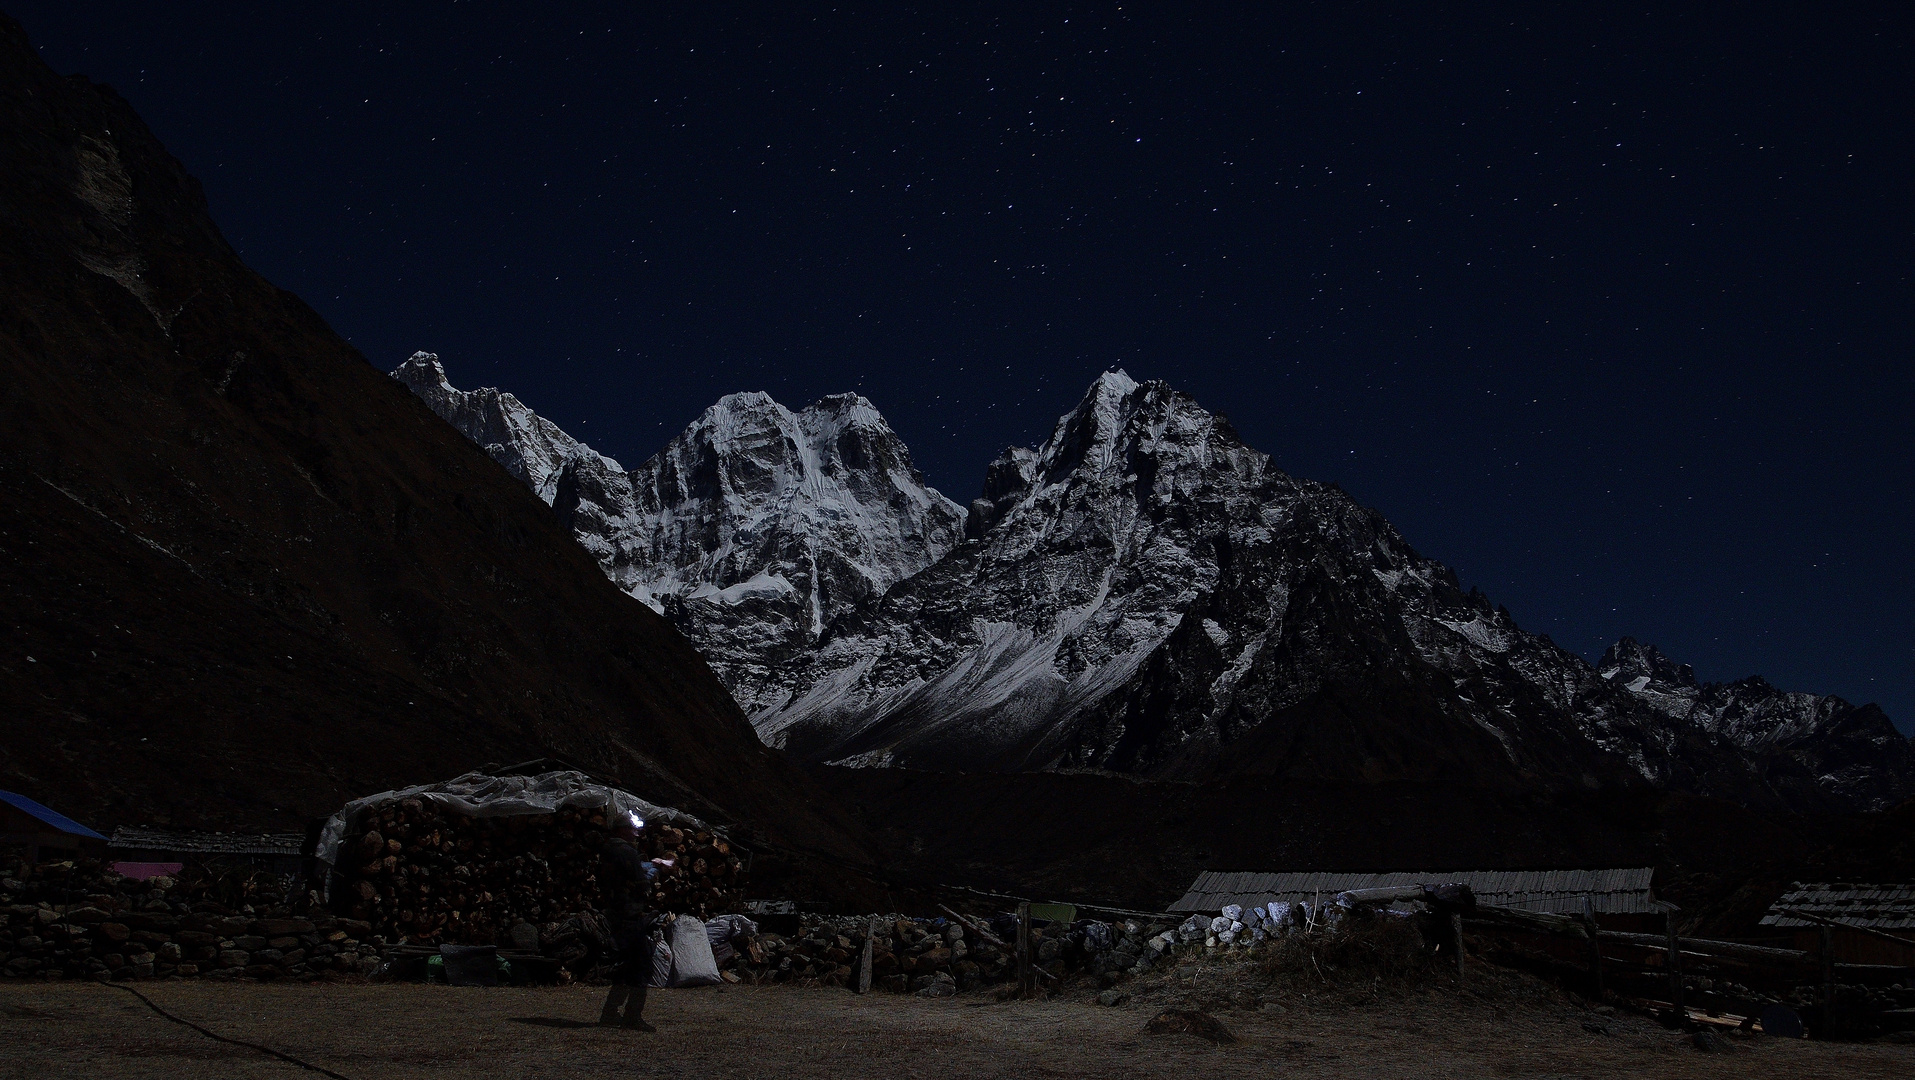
(1189, 1022)
(23, 965)
(939, 985)
(1710, 1043)
(284, 942)
(249, 942)
(936, 958)
(86, 916)
(1048, 950)
(234, 958)
(29, 943)
(1113, 998)
(187, 970)
(170, 953)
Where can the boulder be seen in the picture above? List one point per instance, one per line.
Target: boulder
(936, 986)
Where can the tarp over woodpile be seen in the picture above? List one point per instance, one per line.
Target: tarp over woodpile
(1610, 891)
(478, 794)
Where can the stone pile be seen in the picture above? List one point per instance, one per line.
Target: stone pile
(422, 874)
(1241, 926)
(77, 920)
(937, 957)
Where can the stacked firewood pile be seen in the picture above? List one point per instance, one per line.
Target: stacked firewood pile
(78, 920)
(424, 875)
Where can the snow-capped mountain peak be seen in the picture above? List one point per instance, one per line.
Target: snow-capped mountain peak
(1140, 593)
(531, 447)
(1144, 593)
(752, 529)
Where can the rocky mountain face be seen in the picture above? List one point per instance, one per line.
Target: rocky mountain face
(1852, 751)
(753, 530)
(1147, 595)
(1144, 594)
(530, 447)
(246, 577)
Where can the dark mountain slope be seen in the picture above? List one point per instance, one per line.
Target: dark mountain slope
(244, 575)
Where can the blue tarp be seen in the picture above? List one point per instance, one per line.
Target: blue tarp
(52, 817)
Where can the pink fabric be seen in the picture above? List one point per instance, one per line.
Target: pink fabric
(140, 871)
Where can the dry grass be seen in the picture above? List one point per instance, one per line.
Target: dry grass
(1502, 1027)
(1358, 949)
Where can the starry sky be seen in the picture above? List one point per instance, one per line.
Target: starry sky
(1609, 311)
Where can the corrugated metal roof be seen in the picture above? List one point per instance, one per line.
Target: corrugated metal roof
(51, 817)
(129, 838)
(1883, 906)
(1611, 891)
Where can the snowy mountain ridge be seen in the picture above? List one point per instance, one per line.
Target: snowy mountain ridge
(753, 529)
(530, 447)
(1143, 593)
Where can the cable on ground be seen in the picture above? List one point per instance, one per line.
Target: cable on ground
(267, 1050)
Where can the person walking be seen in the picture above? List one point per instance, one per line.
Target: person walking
(628, 879)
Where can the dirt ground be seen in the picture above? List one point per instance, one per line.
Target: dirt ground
(1501, 1027)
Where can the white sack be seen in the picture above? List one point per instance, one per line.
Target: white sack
(692, 963)
(661, 961)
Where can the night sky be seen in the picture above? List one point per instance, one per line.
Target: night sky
(1612, 314)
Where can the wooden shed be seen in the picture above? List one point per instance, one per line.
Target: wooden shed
(1857, 908)
(45, 834)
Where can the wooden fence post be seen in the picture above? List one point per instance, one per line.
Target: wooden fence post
(1675, 961)
(864, 961)
(1828, 982)
(1595, 947)
(1456, 936)
(1024, 977)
